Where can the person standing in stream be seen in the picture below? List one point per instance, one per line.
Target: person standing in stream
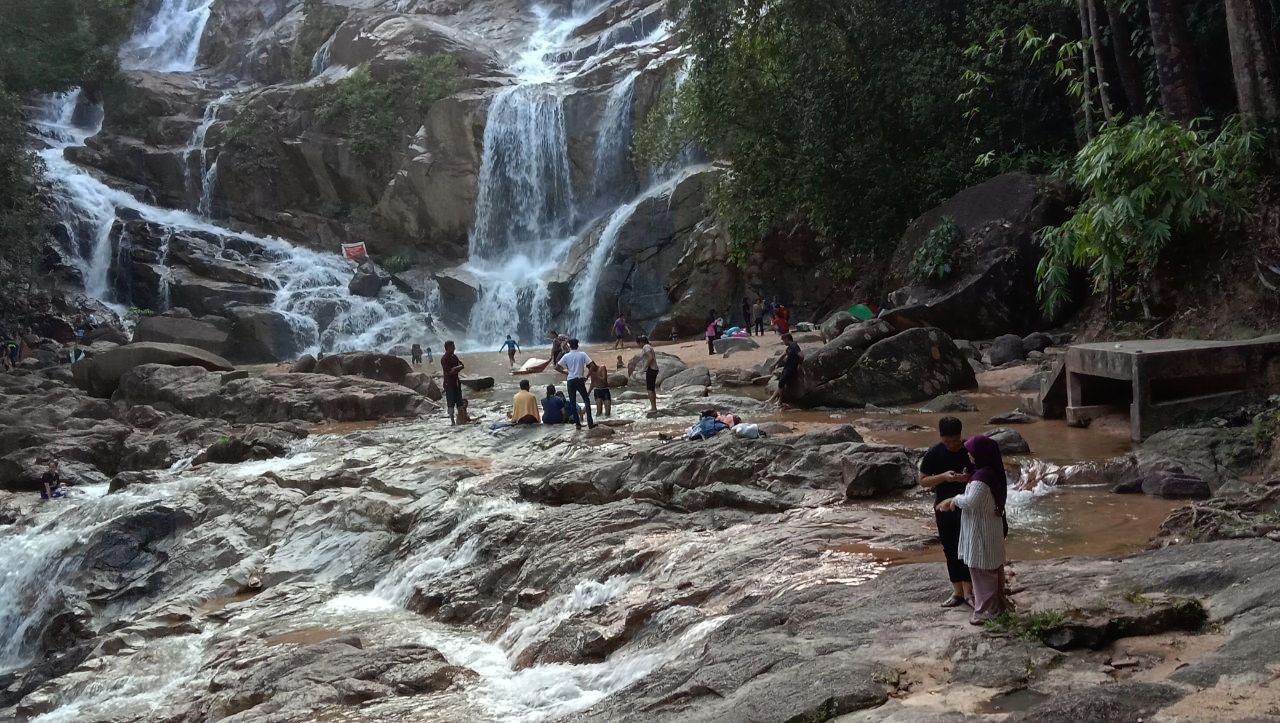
(619, 331)
(577, 365)
(451, 368)
(945, 469)
(512, 347)
(650, 359)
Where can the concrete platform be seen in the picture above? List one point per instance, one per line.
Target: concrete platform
(1163, 383)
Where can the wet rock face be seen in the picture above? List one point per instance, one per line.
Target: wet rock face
(100, 375)
(763, 475)
(276, 398)
(992, 288)
(381, 367)
(871, 364)
(190, 332)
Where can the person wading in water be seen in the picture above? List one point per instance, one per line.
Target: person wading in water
(451, 368)
(945, 469)
(512, 347)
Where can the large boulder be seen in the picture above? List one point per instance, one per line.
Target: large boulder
(871, 364)
(260, 334)
(668, 366)
(177, 330)
(731, 344)
(100, 374)
(367, 281)
(992, 287)
(370, 365)
(273, 398)
(1006, 348)
(836, 324)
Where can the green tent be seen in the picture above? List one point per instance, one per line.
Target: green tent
(861, 311)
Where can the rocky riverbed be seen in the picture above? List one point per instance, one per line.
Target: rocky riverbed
(247, 568)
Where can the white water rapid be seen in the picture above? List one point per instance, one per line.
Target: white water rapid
(169, 41)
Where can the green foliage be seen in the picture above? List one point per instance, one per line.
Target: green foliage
(23, 221)
(1137, 598)
(52, 45)
(1035, 627)
(397, 264)
(666, 130)
(319, 21)
(134, 313)
(368, 109)
(1265, 428)
(1144, 181)
(837, 116)
(933, 260)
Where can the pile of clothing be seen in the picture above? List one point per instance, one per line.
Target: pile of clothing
(711, 422)
(736, 331)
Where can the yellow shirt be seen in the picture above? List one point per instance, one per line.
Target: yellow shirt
(524, 405)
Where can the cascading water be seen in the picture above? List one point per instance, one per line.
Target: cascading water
(169, 40)
(200, 173)
(613, 142)
(526, 212)
(312, 285)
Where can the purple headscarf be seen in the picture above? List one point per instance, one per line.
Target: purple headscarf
(988, 467)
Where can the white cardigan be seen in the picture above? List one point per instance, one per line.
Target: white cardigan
(981, 528)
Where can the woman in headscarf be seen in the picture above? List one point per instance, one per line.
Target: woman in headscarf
(982, 526)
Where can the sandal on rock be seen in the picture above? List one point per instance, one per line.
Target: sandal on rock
(953, 602)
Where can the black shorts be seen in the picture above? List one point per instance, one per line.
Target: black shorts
(651, 379)
(787, 378)
(452, 395)
(603, 395)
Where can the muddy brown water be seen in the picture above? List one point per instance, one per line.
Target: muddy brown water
(1066, 521)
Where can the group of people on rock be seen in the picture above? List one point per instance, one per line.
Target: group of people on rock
(754, 318)
(586, 379)
(970, 491)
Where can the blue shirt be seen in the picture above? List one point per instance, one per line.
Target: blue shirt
(553, 409)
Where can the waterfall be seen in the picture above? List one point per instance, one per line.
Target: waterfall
(320, 60)
(583, 305)
(613, 142)
(169, 40)
(200, 177)
(526, 213)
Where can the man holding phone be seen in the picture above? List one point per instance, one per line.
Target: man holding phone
(946, 468)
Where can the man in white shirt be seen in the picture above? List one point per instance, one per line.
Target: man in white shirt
(578, 366)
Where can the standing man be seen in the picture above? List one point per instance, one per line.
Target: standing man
(415, 355)
(578, 365)
(620, 331)
(746, 314)
(512, 347)
(650, 359)
(451, 367)
(790, 362)
(945, 468)
(757, 313)
(600, 390)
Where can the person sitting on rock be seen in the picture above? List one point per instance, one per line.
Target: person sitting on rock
(553, 407)
(524, 407)
(51, 484)
(790, 362)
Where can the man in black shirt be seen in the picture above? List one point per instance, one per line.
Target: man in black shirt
(790, 362)
(946, 468)
(451, 367)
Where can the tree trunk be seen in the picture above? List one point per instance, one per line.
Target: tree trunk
(1251, 61)
(1099, 62)
(1175, 60)
(1135, 89)
(1086, 79)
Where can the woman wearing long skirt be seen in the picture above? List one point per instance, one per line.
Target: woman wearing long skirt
(982, 526)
